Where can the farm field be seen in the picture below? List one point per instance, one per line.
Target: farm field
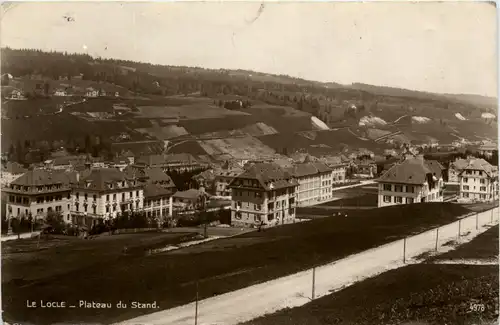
(415, 294)
(220, 266)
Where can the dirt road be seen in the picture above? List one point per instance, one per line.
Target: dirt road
(296, 290)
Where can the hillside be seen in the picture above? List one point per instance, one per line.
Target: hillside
(206, 111)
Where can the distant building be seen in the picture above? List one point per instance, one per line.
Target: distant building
(456, 168)
(478, 181)
(365, 168)
(315, 182)
(91, 92)
(38, 192)
(104, 193)
(263, 194)
(60, 92)
(189, 200)
(413, 180)
(11, 171)
(338, 166)
(487, 149)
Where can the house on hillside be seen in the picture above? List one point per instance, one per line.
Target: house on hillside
(365, 168)
(91, 92)
(60, 92)
(478, 181)
(413, 180)
(264, 194)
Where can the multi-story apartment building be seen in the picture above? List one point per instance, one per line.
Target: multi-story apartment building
(263, 194)
(38, 192)
(315, 182)
(413, 180)
(103, 193)
(478, 181)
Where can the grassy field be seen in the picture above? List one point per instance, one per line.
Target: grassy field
(417, 294)
(484, 246)
(220, 266)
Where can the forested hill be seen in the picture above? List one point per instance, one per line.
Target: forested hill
(168, 80)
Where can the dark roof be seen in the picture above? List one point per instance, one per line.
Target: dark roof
(269, 175)
(412, 171)
(38, 177)
(306, 169)
(155, 190)
(155, 174)
(151, 160)
(190, 194)
(100, 178)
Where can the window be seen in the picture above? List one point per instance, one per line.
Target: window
(482, 188)
(482, 181)
(68, 206)
(409, 200)
(398, 188)
(387, 199)
(85, 207)
(136, 193)
(58, 208)
(123, 196)
(256, 218)
(114, 208)
(77, 207)
(131, 194)
(114, 197)
(466, 187)
(94, 197)
(107, 208)
(94, 209)
(86, 197)
(482, 196)
(77, 195)
(465, 179)
(387, 187)
(398, 199)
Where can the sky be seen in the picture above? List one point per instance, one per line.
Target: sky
(439, 47)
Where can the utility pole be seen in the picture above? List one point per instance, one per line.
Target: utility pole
(196, 306)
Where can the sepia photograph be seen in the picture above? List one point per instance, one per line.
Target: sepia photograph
(249, 163)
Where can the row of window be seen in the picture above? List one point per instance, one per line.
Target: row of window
(397, 199)
(482, 188)
(399, 188)
(38, 188)
(481, 196)
(474, 172)
(271, 216)
(466, 180)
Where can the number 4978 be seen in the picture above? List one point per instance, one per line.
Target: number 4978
(477, 307)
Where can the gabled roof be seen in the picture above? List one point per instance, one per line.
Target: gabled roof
(100, 178)
(155, 190)
(480, 164)
(155, 174)
(412, 171)
(151, 160)
(269, 175)
(39, 177)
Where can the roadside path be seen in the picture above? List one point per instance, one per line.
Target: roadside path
(296, 289)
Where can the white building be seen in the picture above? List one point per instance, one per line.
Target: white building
(91, 92)
(413, 180)
(104, 193)
(315, 182)
(478, 181)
